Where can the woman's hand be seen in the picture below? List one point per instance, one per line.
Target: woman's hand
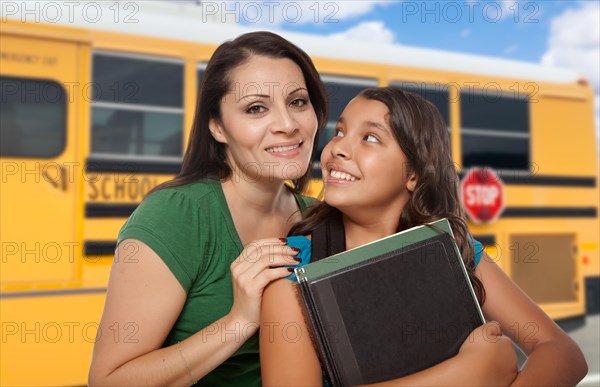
(259, 264)
(493, 355)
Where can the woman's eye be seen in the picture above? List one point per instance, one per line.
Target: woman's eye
(255, 109)
(371, 138)
(338, 133)
(300, 102)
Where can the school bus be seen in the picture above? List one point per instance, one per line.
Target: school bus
(94, 115)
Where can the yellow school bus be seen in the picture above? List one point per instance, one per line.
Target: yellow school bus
(94, 115)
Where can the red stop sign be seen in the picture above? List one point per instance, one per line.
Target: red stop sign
(482, 195)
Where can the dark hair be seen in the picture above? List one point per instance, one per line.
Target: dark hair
(423, 137)
(205, 157)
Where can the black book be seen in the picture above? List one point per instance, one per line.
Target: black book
(390, 308)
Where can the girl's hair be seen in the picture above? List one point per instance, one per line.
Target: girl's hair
(423, 137)
(205, 157)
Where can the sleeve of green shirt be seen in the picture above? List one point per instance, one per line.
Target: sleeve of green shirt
(167, 221)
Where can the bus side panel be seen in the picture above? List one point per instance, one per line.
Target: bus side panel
(48, 340)
(563, 137)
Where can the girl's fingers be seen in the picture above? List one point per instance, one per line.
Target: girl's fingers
(492, 329)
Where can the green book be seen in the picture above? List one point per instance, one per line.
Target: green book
(390, 308)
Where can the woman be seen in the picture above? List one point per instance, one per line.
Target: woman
(389, 168)
(183, 307)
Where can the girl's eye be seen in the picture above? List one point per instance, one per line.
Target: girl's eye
(338, 133)
(300, 102)
(371, 138)
(255, 109)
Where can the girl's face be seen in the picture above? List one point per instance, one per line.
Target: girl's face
(364, 168)
(267, 120)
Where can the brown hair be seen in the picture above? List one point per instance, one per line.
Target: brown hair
(423, 137)
(204, 156)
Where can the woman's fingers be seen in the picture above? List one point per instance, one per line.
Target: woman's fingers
(258, 257)
(257, 265)
(269, 275)
(263, 258)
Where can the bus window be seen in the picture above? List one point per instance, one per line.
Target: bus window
(143, 133)
(32, 118)
(437, 94)
(495, 131)
(340, 90)
(200, 74)
(137, 106)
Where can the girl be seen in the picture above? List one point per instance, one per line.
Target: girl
(389, 168)
(184, 308)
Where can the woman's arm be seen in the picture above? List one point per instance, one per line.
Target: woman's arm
(143, 301)
(553, 357)
(485, 358)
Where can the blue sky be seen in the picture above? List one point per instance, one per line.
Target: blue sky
(518, 30)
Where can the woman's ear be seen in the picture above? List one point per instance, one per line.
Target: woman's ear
(411, 183)
(216, 129)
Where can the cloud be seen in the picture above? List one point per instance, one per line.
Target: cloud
(373, 31)
(509, 7)
(574, 43)
(597, 110)
(466, 32)
(350, 9)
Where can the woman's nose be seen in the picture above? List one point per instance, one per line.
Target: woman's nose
(285, 122)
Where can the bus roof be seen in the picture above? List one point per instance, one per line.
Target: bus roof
(186, 22)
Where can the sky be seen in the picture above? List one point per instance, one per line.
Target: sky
(558, 33)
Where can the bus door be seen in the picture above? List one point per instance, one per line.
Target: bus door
(38, 162)
(38, 202)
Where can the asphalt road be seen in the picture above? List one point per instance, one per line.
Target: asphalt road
(588, 338)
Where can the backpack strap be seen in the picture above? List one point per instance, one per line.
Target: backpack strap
(328, 238)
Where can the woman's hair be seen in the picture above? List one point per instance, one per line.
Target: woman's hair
(424, 138)
(205, 157)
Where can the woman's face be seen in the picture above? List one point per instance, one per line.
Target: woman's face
(364, 168)
(267, 121)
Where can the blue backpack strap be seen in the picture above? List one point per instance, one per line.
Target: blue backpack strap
(478, 250)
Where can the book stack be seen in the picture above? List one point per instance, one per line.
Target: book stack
(390, 308)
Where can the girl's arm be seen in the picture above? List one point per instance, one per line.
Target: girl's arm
(289, 359)
(486, 358)
(553, 357)
(143, 301)
(287, 356)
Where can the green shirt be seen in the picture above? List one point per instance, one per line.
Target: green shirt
(191, 229)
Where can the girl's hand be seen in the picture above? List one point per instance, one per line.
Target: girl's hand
(493, 354)
(258, 265)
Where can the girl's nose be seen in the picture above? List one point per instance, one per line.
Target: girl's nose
(341, 148)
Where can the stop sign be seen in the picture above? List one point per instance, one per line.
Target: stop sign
(482, 195)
